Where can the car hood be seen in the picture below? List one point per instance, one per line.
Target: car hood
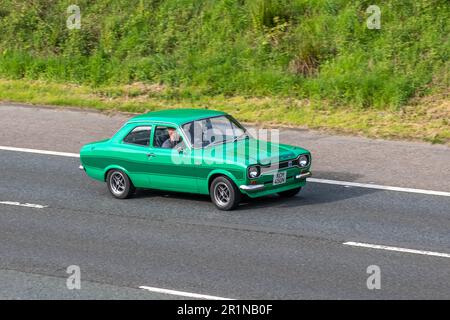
(253, 151)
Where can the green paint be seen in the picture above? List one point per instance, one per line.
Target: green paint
(192, 169)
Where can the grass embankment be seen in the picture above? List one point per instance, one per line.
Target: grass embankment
(295, 62)
(426, 119)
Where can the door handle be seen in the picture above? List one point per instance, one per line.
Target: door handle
(150, 155)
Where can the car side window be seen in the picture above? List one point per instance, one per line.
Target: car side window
(167, 138)
(139, 135)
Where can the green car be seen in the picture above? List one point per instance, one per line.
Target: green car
(195, 151)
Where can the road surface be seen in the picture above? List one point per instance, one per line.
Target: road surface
(317, 245)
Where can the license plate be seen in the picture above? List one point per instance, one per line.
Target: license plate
(279, 178)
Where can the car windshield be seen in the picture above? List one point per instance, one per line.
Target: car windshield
(212, 131)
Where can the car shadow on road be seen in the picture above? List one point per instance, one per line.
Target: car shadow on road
(312, 194)
(153, 193)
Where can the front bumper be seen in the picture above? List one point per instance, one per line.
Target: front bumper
(252, 187)
(260, 187)
(304, 175)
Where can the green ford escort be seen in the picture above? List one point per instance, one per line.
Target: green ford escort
(195, 151)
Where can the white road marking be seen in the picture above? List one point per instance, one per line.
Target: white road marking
(325, 181)
(182, 293)
(381, 247)
(380, 187)
(28, 205)
(53, 153)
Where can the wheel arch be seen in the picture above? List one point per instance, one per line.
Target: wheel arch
(112, 167)
(220, 172)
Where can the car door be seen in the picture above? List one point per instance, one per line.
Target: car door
(132, 153)
(171, 167)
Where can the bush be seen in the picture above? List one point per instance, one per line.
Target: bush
(310, 49)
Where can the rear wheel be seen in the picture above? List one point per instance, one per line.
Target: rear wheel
(224, 194)
(290, 193)
(119, 184)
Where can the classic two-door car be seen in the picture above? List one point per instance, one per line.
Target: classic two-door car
(196, 151)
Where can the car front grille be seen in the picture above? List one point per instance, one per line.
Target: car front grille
(281, 165)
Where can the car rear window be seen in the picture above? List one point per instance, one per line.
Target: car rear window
(139, 136)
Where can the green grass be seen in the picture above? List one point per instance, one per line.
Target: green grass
(425, 120)
(298, 62)
(318, 49)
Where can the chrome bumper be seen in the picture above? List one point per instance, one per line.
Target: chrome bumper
(252, 187)
(303, 175)
(259, 187)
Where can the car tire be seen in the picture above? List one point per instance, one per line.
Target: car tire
(119, 184)
(289, 193)
(224, 193)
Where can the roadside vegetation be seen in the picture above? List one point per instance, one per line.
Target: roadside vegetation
(301, 63)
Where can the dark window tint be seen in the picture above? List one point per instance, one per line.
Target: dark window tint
(162, 138)
(139, 135)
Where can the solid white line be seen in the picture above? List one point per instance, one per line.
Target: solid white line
(182, 293)
(380, 247)
(28, 205)
(335, 182)
(53, 153)
(380, 187)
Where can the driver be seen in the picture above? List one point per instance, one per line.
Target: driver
(173, 140)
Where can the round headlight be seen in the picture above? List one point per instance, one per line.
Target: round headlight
(303, 161)
(253, 172)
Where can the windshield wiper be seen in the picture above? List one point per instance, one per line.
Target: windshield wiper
(221, 142)
(217, 142)
(239, 137)
(226, 141)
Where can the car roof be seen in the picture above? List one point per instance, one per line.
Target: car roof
(177, 116)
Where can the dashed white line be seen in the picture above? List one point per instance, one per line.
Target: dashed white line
(53, 153)
(182, 293)
(325, 181)
(380, 187)
(389, 248)
(28, 205)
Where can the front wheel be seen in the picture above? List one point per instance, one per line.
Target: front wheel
(224, 194)
(119, 184)
(289, 193)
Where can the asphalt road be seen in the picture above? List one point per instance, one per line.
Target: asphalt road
(267, 249)
(356, 159)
